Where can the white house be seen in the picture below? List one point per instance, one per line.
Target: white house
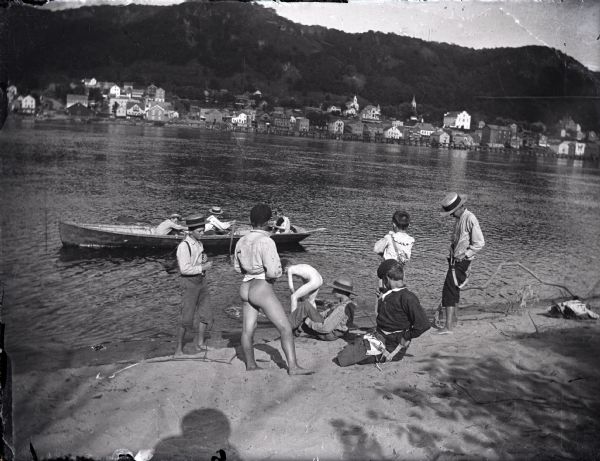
(579, 149)
(336, 126)
(156, 113)
(440, 138)
(90, 82)
(134, 109)
(115, 91)
(118, 106)
(352, 107)
(371, 113)
(460, 120)
(28, 105)
(240, 120)
(159, 96)
(397, 123)
(393, 133)
(334, 110)
(425, 129)
(76, 98)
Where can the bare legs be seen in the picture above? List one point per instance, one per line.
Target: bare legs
(450, 320)
(259, 294)
(199, 338)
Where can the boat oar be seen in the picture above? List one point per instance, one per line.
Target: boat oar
(231, 239)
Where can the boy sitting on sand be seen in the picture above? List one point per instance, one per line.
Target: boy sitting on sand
(334, 322)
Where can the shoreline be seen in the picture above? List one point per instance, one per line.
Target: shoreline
(514, 386)
(525, 152)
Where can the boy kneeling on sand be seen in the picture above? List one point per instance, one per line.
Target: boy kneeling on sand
(400, 318)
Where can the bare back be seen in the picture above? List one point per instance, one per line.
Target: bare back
(305, 271)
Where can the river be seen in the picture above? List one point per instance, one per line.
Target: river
(542, 212)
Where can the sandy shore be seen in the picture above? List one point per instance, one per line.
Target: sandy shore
(517, 386)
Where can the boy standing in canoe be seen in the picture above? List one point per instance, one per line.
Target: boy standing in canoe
(193, 264)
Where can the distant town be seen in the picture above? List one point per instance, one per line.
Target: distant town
(93, 100)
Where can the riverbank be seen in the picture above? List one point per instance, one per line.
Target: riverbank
(504, 386)
(592, 153)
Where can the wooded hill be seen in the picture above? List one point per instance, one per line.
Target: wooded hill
(241, 46)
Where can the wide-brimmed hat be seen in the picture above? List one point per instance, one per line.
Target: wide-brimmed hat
(193, 222)
(452, 202)
(215, 210)
(343, 284)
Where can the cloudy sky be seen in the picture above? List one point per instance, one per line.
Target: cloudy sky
(572, 26)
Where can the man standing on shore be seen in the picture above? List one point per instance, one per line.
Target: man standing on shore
(467, 240)
(193, 264)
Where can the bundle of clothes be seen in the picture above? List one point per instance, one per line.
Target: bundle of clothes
(572, 309)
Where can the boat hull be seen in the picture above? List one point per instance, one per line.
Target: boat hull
(112, 236)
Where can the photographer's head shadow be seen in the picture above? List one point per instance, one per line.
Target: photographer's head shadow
(204, 434)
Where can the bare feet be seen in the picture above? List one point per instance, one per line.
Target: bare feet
(254, 367)
(178, 352)
(204, 348)
(445, 332)
(299, 371)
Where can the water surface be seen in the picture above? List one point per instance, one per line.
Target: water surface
(541, 212)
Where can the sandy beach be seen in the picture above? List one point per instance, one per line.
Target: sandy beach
(506, 385)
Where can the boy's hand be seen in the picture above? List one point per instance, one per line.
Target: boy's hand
(206, 265)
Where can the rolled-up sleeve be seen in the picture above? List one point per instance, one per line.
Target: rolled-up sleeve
(270, 259)
(477, 241)
(236, 260)
(381, 244)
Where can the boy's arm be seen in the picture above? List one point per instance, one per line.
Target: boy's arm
(331, 322)
(290, 272)
(419, 323)
(380, 245)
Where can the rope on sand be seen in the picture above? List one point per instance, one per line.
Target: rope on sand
(515, 263)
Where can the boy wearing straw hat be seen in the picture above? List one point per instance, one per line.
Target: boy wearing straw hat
(466, 241)
(193, 264)
(334, 322)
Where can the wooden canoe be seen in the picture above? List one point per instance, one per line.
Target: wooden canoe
(140, 236)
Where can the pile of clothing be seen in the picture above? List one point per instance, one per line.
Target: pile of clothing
(573, 309)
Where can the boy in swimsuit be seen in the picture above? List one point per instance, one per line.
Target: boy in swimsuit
(257, 259)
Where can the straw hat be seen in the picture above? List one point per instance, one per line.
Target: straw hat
(193, 222)
(452, 202)
(216, 210)
(343, 284)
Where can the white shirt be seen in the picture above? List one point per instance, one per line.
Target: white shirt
(395, 240)
(213, 223)
(190, 258)
(467, 238)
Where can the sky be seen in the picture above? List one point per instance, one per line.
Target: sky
(571, 26)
